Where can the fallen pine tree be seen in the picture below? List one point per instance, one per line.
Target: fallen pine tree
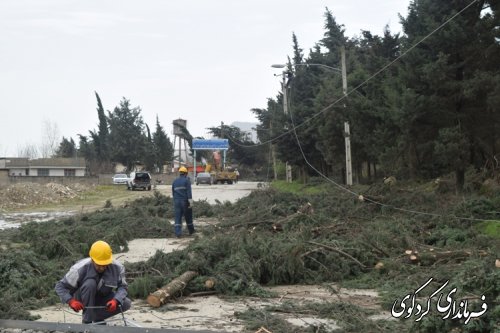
(335, 239)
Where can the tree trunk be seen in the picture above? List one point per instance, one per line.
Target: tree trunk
(460, 180)
(412, 161)
(162, 295)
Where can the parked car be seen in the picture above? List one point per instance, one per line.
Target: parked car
(139, 180)
(120, 178)
(204, 178)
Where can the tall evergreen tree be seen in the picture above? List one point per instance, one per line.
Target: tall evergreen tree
(126, 134)
(163, 150)
(149, 152)
(103, 133)
(86, 149)
(66, 148)
(438, 75)
(334, 37)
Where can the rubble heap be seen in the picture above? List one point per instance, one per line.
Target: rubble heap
(29, 194)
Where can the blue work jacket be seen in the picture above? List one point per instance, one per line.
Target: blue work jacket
(181, 188)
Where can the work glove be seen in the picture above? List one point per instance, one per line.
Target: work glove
(190, 203)
(112, 305)
(75, 305)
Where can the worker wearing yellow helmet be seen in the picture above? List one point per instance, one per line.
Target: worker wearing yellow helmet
(183, 202)
(95, 285)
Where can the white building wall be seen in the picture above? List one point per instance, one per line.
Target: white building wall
(56, 172)
(17, 172)
(52, 172)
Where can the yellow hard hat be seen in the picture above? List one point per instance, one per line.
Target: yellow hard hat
(183, 169)
(101, 253)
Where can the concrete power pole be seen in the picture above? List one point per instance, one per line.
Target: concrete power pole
(273, 153)
(347, 133)
(288, 168)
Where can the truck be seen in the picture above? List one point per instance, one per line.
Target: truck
(218, 170)
(227, 176)
(139, 180)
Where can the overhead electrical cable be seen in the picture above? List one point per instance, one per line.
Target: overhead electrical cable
(355, 89)
(294, 128)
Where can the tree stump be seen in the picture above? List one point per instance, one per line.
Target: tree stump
(162, 295)
(210, 283)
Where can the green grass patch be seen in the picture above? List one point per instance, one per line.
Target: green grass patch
(489, 228)
(297, 188)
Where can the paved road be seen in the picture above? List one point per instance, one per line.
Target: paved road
(221, 192)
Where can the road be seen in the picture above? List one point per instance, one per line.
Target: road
(221, 192)
(210, 193)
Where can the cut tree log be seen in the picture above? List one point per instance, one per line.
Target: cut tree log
(162, 295)
(431, 256)
(210, 283)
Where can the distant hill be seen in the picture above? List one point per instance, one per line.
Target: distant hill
(247, 127)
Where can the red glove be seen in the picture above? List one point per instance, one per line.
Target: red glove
(75, 305)
(112, 305)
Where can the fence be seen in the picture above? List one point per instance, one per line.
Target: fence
(102, 179)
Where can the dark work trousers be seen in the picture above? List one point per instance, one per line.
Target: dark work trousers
(89, 296)
(181, 209)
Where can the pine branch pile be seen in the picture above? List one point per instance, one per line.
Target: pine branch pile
(315, 235)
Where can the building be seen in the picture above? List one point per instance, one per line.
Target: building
(49, 167)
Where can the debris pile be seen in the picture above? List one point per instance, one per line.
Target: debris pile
(29, 194)
(275, 237)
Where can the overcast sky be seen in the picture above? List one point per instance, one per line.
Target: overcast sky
(205, 61)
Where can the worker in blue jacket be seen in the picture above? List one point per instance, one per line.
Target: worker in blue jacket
(183, 202)
(95, 285)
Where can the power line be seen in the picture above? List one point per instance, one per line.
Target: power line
(355, 89)
(360, 196)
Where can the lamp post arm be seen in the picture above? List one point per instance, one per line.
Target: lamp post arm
(308, 64)
(321, 65)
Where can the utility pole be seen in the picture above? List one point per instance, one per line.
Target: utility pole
(273, 153)
(347, 133)
(223, 163)
(288, 168)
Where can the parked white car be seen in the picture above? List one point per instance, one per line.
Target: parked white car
(120, 178)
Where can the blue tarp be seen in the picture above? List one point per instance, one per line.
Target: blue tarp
(212, 144)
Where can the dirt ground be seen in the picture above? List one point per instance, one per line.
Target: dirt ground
(50, 201)
(196, 313)
(213, 312)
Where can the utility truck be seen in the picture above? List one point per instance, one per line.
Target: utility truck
(217, 167)
(227, 176)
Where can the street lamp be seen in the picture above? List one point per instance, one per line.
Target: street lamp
(340, 70)
(347, 133)
(307, 64)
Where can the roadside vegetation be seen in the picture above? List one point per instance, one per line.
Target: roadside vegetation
(289, 234)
